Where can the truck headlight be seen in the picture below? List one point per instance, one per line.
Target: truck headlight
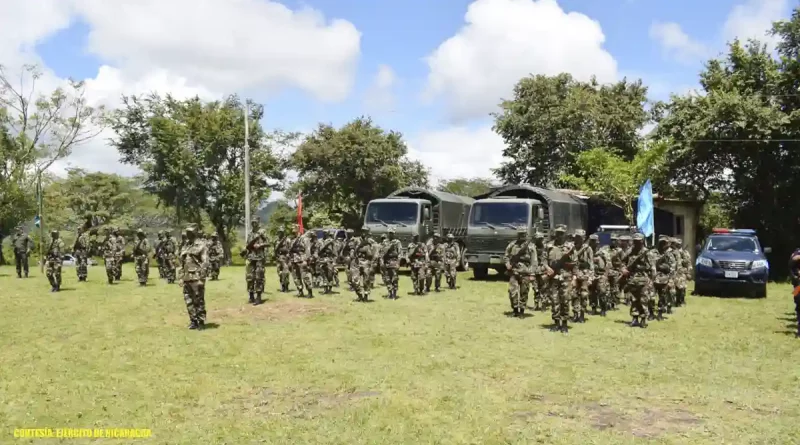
(760, 264)
(705, 262)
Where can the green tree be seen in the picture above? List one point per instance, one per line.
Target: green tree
(341, 170)
(192, 156)
(608, 175)
(551, 120)
(467, 186)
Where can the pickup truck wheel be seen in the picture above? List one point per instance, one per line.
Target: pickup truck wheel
(480, 272)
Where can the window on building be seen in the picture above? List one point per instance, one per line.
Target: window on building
(679, 225)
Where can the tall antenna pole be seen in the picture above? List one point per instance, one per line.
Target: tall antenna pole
(246, 170)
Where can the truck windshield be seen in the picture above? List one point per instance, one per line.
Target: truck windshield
(392, 212)
(499, 213)
(731, 244)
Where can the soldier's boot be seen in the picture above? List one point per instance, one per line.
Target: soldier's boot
(300, 292)
(556, 326)
(515, 312)
(564, 327)
(310, 293)
(635, 322)
(258, 299)
(521, 312)
(19, 275)
(201, 325)
(669, 309)
(193, 324)
(583, 317)
(251, 298)
(643, 323)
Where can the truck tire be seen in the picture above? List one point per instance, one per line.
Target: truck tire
(463, 264)
(480, 272)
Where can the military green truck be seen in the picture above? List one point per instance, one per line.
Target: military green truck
(496, 215)
(419, 211)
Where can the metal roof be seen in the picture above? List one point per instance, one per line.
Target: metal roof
(433, 195)
(548, 195)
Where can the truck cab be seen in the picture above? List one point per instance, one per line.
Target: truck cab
(732, 261)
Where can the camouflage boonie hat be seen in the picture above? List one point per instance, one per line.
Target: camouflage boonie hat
(522, 231)
(638, 237)
(188, 230)
(614, 236)
(139, 231)
(54, 232)
(664, 238)
(349, 231)
(579, 232)
(391, 230)
(594, 237)
(255, 220)
(450, 236)
(214, 235)
(675, 240)
(160, 233)
(280, 230)
(560, 228)
(437, 234)
(538, 235)
(383, 236)
(624, 238)
(365, 229)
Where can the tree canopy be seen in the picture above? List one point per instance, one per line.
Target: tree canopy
(467, 186)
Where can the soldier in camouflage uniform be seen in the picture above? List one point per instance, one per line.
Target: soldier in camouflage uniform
(215, 256)
(109, 251)
(584, 276)
(255, 255)
(638, 271)
(169, 251)
(369, 283)
(53, 259)
(299, 255)
(436, 255)
(326, 259)
(684, 264)
(281, 253)
(452, 254)
(390, 258)
(23, 246)
(313, 265)
(665, 273)
(347, 257)
(541, 297)
(625, 248)
(382, 267)
(141, 257)
(602, 267)
(193, 260)
(158, 256)
(616, 257)
(121, 243)
(338, 245)
(520, 261)
(364, 264)
(417, 260)
(652, 298)
(558, 255)
(81, 249)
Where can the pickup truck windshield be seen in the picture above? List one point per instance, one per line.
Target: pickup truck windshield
(499, 213)
(731, 244)
(392, 213)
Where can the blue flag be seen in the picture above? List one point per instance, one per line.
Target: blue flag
(644, 215)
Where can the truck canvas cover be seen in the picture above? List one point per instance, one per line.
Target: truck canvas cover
(559, 207)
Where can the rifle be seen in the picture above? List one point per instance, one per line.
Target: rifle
(250, 245)
(625, 271)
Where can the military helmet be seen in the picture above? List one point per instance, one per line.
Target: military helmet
(560, 228)
(638, 237)
(664, 238)
(594, 237)
(675, 240)
(383, 236)
(450, 236)
(255, 220)
(391, 230)
(160, 233)
(139, 232)
(54, 232)
(579, 233)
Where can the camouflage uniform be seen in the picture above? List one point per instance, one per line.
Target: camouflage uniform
(364, 265)
(436, 255)
(617, 258)
(794, 275)
(541, 295)
(169, 250)
(158, 256)
(255, 253)
(215, 256)
(110, 256)
(141, 257)
(452, 255)
(313, 265)
(348, 257)
(638, 271)
(558, 254)
(326, 259)
(390, 258)
(81, 251)
(665, 272)
(520, 261)
(684, 264)
(384, 243)
(300, 252)
(54, 258)
(338, 245)
(599, 291)
(584, 276)
(23, 246)
(418, 259)
(193, 262)
(281, 253)
(625, 249)
(652, 295)
(121, 243)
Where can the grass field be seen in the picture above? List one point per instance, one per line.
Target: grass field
(445, 368)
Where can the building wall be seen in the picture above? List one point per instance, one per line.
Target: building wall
(686, 217)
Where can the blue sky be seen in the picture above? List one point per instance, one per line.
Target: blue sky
(400, 35)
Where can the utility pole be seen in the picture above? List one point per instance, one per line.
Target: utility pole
(246, 170)
(41, 221)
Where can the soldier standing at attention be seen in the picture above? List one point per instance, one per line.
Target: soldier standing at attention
(81, 250)
(520, 261)
(559, 253)
(255, 254)
(313, 264)
(665, 270)
(625, 248)
(382, 267)
(54, 258)
(364, 265)
(215, 256)
(436, 257)
(683, 266)
(110, 255)
(193, 261)
(338, 245)
(602, 267)
(347, 255)
(617, 258)
(452, 253)
(121, 243)
(417, 259)
(541, 294)
(326, 258)
(638, 271)
(300, 251)
(157, 254)
(391, 262)
(370, 281)
(168, 253)
(23, 246)
(584, 276)
(141, 257)
(281, 252)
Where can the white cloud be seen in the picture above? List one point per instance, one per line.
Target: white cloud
(458, 151)
(753, 19)
(505, 40)
(677, 43)
(380, 96)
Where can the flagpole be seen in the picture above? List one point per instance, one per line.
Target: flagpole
(246, 171)
(41, 223)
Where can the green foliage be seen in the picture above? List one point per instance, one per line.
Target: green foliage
(716, 212)
(552, 120)
(341, 170)
(617, 181)
(467, 186)
(192, 156)
(284, 217)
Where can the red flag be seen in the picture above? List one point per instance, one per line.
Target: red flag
(300, 214)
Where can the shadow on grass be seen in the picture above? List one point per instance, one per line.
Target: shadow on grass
(210, 326)
(510, 314)
(787, 333)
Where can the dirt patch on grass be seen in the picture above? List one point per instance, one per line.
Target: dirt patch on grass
(296, 403)
(648, 422)
(273, 311)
